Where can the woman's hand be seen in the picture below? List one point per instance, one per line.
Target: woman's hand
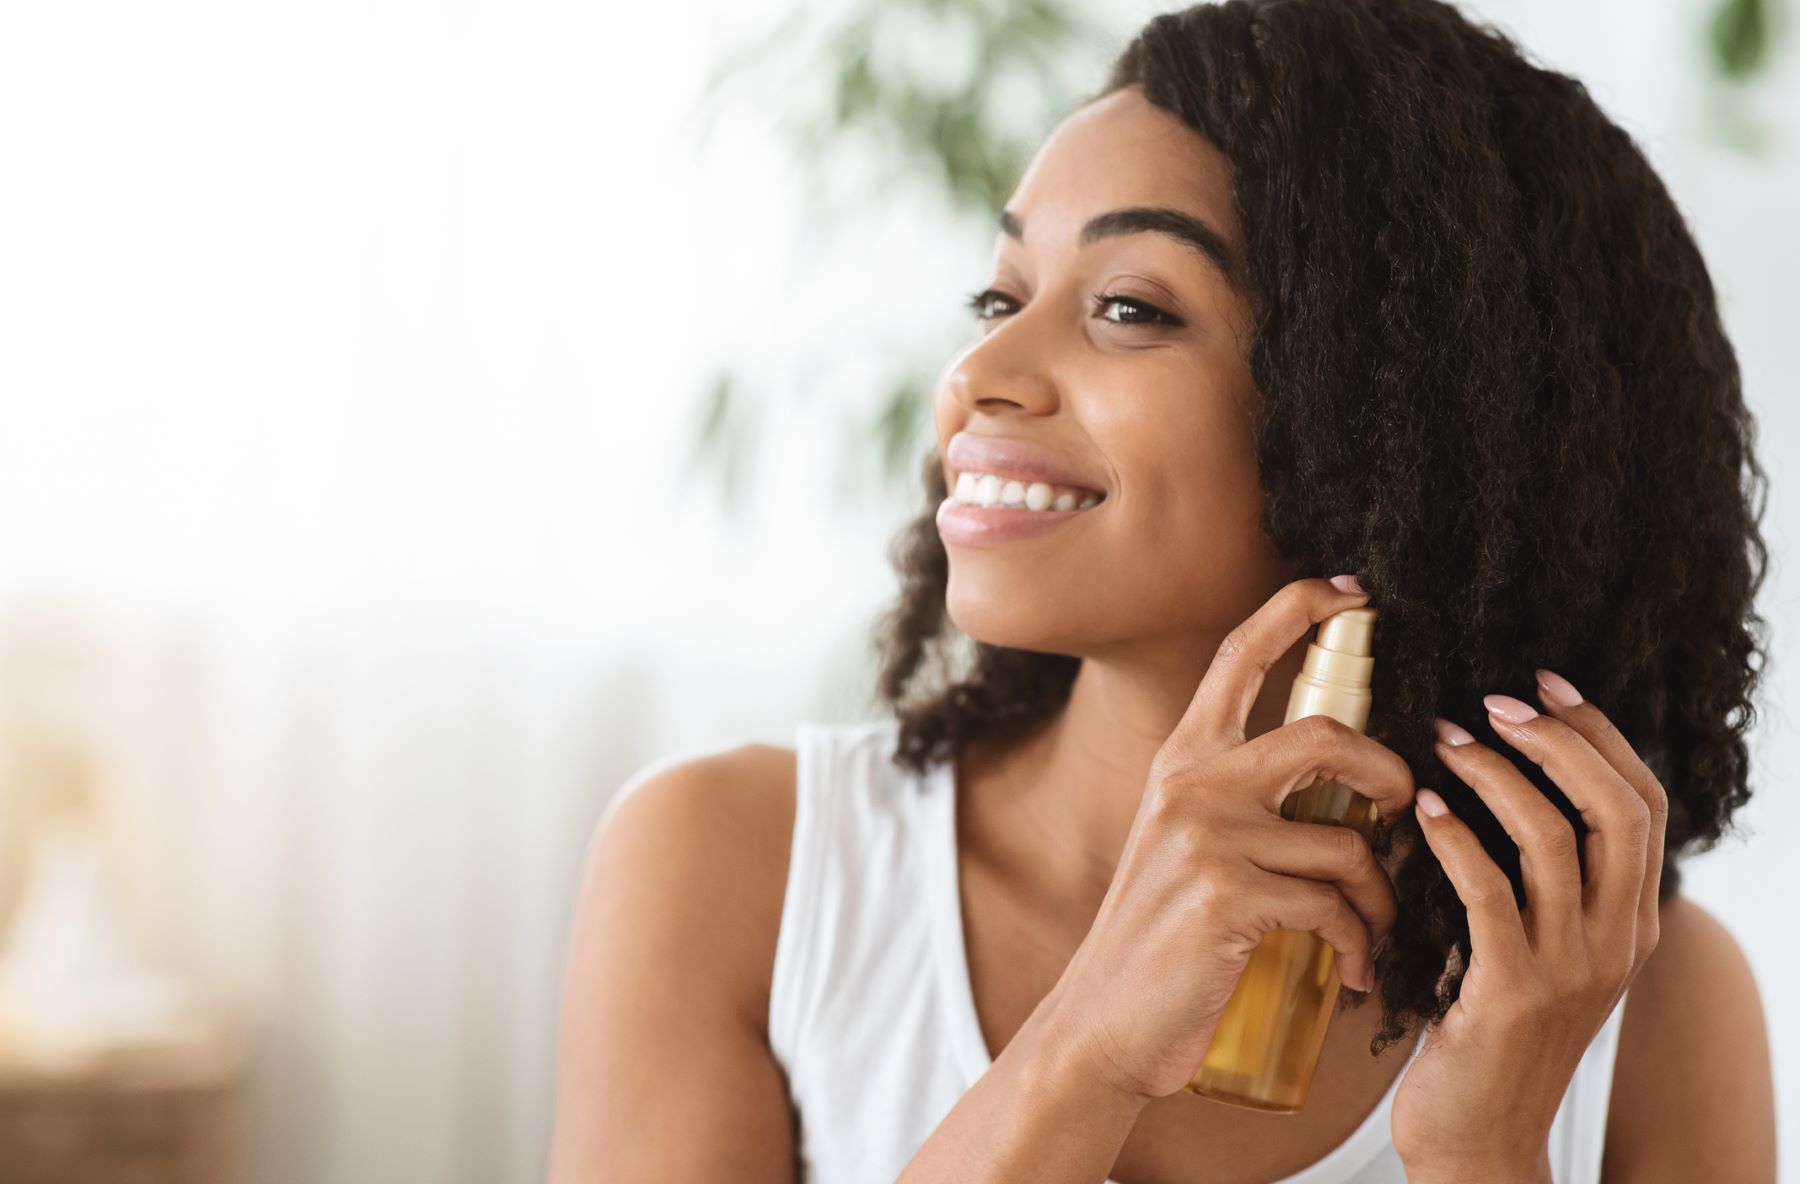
(1486, 1086)
(1211, 865)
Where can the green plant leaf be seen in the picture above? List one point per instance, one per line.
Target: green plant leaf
(1739, 35)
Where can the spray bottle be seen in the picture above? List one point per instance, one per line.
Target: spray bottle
(1267, 1044)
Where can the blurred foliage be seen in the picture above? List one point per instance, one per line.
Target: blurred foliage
(1020, 65)
(1740, 36)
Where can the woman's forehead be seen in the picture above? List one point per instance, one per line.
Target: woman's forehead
(1121, 151)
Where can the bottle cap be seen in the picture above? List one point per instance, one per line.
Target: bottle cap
(1351, 631)
(1342, 653)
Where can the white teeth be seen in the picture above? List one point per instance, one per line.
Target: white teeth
(988, 490)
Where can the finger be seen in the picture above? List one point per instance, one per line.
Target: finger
(1338, 855)
(1546, 841)
(1563, 701)
(1221, 705)
(1316, 746)
(1309, 906)
(1487, 895)
(1617, 818)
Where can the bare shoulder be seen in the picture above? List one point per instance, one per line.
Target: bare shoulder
(1693, 1089)
(712, 832)
(663, 1068)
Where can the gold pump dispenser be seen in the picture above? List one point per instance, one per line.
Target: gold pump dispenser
(1267, 1044)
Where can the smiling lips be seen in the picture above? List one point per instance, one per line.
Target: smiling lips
(1006, 490)
(1008, 460)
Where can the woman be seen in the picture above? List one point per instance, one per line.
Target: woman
(1307, 288)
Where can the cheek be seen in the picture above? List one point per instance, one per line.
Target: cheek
(1194, 478)
(1197, 525)
(1191, 502)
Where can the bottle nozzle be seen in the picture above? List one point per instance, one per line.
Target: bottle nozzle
(1351, 631)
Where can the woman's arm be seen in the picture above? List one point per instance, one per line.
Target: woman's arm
(1693, 1094)
(663, 1066)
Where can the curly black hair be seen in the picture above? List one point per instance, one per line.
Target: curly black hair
(1495, 386)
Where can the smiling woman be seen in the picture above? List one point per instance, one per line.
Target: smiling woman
(1306, 289)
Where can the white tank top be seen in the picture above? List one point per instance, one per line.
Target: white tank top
(871, 1013)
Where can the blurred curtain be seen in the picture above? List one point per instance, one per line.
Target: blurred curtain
(369, 842)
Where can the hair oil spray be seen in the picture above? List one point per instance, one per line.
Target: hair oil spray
(1267, 1044)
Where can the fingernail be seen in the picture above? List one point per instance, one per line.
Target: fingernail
(1450, 733)
(1347, 583)
(1513, 711)
(1557, 689)
(1430, 802)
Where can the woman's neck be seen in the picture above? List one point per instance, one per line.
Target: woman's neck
(1062, 797)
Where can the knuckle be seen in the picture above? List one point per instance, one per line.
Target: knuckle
(1491, 892)
(1232, 647)
(1175, 764)
(1618, 966)
(1209, 895)
(1570, 993)
(1171, 795)
(1318, 739)
(1191, 843)
(1324, 731)
(1295, 595)
(1349, 850)
(1323, 902)
(1555, 837)
(1159, 805)
(1170, 829)
(1522, 1005)
(1399, 772)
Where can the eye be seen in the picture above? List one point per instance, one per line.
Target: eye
(1145, 314)
(977, 302)
(1156, 316)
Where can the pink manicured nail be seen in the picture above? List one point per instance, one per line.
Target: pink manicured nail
(1556, 688)
(1450, 733)
(1430, 802)
(1347, 583)
(1513, 711)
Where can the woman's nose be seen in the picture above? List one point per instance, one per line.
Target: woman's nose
(1006, 366)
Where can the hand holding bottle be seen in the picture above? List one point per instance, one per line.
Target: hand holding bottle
(1211, 865)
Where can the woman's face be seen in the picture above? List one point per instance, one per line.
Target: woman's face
(1157, 416)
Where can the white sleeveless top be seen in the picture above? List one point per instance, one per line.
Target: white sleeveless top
(871, 1013)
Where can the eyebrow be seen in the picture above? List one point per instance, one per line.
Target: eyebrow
(1193, 233)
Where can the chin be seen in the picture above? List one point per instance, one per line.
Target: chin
(1000, 616)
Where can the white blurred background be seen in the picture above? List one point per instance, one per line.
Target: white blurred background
(350, 533)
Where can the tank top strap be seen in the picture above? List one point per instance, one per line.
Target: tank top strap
(796, 971)
(855, 824)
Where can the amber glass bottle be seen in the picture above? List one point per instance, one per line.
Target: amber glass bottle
(1267, 1043)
